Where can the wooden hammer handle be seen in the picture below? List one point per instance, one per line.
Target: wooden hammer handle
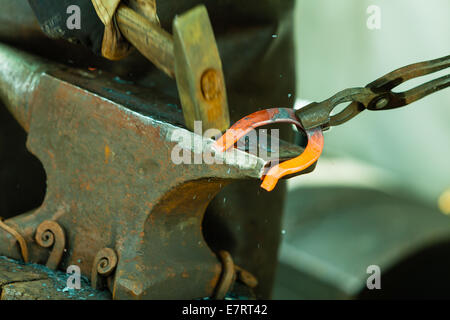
(150, 39)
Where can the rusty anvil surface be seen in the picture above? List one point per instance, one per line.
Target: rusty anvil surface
(106, 148)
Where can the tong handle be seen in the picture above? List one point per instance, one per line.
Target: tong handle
(377, 95)
(385, 84)
(415, 70)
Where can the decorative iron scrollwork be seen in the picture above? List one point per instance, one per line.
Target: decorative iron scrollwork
(105, 263)
(20, 239)
(48, 234)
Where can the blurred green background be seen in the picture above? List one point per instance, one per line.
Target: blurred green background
(336, 50)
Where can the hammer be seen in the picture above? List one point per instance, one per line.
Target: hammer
(190, 56)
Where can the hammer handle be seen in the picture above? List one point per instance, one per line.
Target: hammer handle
(148, 38)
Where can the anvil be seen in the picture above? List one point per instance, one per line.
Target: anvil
(116, 205)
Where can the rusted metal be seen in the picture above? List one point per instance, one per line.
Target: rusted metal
(227, 277)
(240, 28)
(198, 70)
(50, 234)
(376, 96)
(230, 273)
(308, 158)
(19, 238)
(246, 277)
(105, 262)
(111, 181)
(211, 85)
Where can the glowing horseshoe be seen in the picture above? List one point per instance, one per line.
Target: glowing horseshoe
(309, 156)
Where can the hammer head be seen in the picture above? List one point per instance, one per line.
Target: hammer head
(198, 70)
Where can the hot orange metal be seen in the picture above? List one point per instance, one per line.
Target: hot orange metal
(311, 154)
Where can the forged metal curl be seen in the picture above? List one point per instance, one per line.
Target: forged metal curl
(105, 263)
(228, 275)
(20, 239)
(48, 234)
